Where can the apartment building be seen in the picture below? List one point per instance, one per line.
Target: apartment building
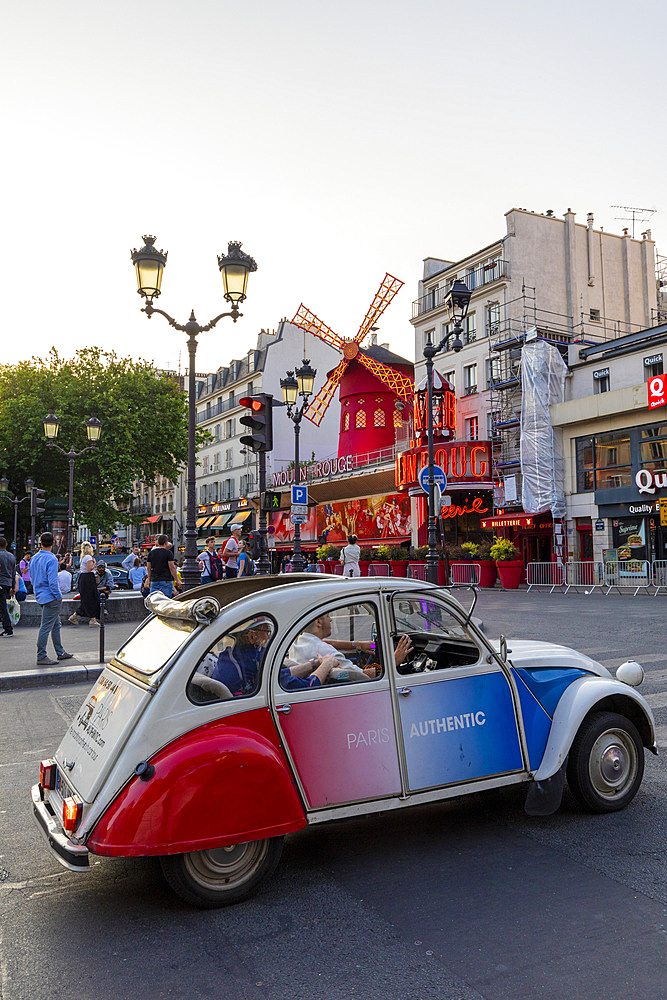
(570, 281)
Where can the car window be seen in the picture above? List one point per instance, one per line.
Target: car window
(336, 647)
(418, 614)
(437, 639)
(154, 643)
(232, 667)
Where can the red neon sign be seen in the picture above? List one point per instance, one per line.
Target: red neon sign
(463, 461)
(456, 510)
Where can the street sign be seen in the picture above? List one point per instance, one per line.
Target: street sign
(93, 540)
(439, 477)
(299, 494)
(599, 524)
(445, 501)
(300, 508)
(270, 530)
(299, 518)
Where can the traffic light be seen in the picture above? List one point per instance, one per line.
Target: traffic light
(36, 502)
(259, 420)
(271, 501)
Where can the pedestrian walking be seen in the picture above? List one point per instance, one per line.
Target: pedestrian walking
(161, 569)
(24, 570)
(231, 551)
(44, 577)
(349, 556)
(7, 585)
(89, 606)
(211, 565)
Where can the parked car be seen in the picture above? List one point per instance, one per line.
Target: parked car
(216, 729)
(121, 579)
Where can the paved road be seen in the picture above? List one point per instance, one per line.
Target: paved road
(470, 900)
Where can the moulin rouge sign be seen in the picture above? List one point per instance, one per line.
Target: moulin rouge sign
(466, 463)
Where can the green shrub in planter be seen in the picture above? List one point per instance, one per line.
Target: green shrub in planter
(397, 553)
(328, 551)
(366, 555)
(503, 550)
(382, 552)
(421, 552)
(470, 550)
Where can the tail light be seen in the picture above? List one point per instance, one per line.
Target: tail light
(47, 773)
(71, 814)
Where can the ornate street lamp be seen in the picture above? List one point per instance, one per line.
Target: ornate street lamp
(292, 388)
(235, 267)
(457, 301)
(93, 432)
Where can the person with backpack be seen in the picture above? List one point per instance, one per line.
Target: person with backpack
(246, 565)
(231, 551)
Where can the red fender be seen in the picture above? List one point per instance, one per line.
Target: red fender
(224, 783)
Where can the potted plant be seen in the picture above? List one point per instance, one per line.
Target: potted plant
(365, 559)
(488, 572)
(510, 568)
(470, 550)
(398, 560)
(329, 553)
(418, 557)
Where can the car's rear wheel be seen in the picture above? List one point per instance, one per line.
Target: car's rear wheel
(606, 762)
(222, 875)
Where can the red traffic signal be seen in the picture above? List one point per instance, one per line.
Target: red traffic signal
(259, 420)
(252, 402)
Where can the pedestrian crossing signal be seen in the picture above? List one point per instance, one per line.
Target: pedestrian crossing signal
(271, 501)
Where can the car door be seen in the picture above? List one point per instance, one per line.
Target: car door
(457, 707)
(339, 736)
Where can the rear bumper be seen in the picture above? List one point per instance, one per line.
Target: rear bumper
(70, 855)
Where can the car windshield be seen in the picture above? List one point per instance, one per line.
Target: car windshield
(417, 614)
(154, 644)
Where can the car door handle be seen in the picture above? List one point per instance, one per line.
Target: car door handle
(285, 709)
(405, 691)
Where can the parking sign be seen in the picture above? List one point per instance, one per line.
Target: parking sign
(299, 494)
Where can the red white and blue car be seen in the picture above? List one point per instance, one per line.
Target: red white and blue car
(250, 708)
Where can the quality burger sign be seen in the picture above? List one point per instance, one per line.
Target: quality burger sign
(657, 391)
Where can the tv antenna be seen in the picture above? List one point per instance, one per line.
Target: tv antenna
(638, 215)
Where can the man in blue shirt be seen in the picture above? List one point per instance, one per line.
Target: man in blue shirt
(49, 597)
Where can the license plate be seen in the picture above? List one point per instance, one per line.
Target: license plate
(62, 788)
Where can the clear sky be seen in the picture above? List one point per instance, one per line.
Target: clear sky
(336, 141)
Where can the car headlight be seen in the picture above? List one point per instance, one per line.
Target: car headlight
(631, 673)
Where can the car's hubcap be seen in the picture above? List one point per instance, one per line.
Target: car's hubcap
(613, 763)
(226, 867)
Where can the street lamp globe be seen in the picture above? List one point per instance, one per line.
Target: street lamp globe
(306, 378)
(235, 268)
(29, 483)
(290, 389)
(149, 264)
(51, 426)
(4, 485)
(93, 430)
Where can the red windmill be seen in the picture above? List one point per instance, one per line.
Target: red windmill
(395, 381)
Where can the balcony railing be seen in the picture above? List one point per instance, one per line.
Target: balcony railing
(486, 274)
(222, 406)
(470, 390)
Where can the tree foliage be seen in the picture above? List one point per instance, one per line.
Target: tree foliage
(144, 429)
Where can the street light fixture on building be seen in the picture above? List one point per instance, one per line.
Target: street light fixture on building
(457, 301)
(93, 433)
(235, 266)
(292, 388)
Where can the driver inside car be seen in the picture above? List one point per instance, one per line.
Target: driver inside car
(313, 643)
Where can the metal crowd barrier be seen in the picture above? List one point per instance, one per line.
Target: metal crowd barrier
(545, 574)
(417, 571)
(464, 574)
(378, 569)
(659, 575)
(588, 575)
(629, 573)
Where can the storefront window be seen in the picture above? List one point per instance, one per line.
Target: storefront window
(585, 466)
(612, 460)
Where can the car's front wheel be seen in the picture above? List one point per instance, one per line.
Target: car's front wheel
(223, 875)
(606, 762)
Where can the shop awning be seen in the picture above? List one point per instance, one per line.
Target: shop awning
(153, 519)
(220, 521)
(239, 518)
(204, 522)
(517, 521)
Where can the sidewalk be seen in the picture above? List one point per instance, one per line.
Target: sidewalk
(18, 655)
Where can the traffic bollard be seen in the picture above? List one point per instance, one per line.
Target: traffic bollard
(103, 602)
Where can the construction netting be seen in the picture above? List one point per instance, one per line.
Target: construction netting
(543, 474)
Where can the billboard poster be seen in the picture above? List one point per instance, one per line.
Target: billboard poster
(283, 529)
(371, 519)
(629, 537)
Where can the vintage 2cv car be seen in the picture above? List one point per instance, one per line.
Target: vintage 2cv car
(249, 708)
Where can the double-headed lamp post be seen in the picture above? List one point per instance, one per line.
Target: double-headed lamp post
(93, 432)
(4, 491)
(457, 301)
(235, 267)
(292, 388)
